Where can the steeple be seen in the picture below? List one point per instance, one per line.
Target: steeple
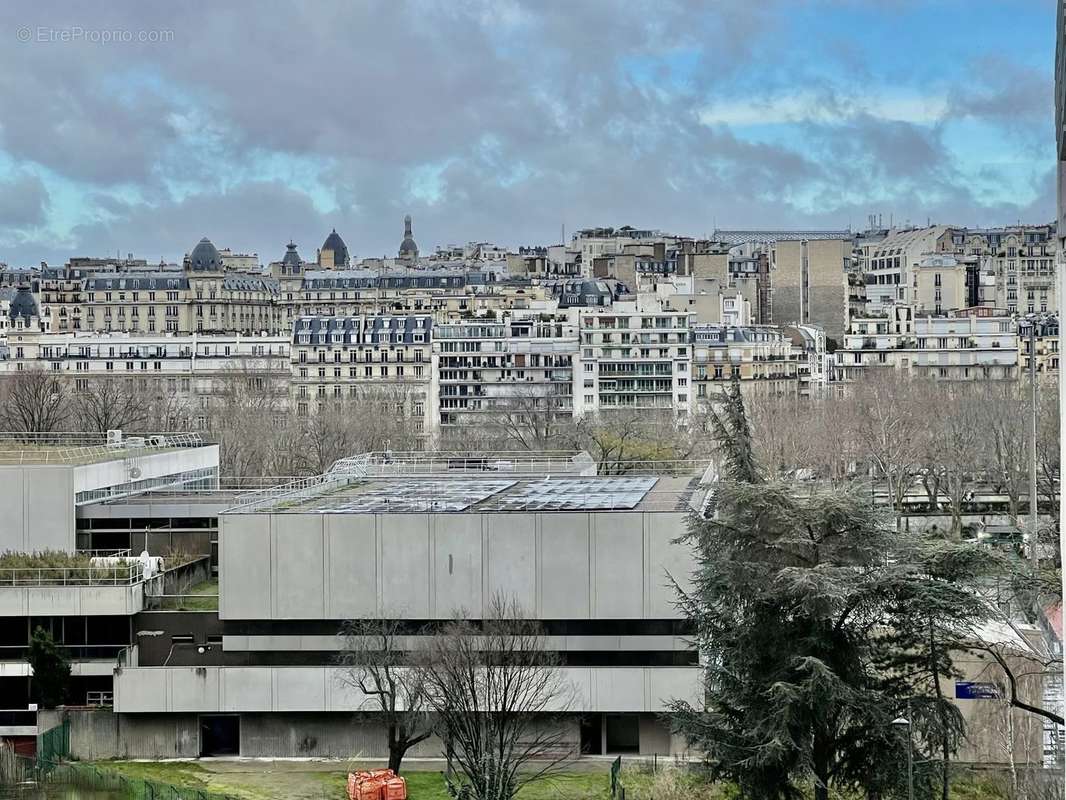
(408, 248)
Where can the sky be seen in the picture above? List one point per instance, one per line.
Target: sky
(141, 127)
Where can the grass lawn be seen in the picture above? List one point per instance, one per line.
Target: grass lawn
(303, 780)
(199, 597)
(318, 780)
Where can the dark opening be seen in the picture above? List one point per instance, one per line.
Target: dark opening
(220, 736)
(592, 735)
(623, 733)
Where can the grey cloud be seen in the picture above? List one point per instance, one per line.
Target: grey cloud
(363, 93)
(23, 203)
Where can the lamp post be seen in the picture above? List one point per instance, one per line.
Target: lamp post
(1031, 322)
(906, 722)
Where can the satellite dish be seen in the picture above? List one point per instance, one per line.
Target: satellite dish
(135, 472)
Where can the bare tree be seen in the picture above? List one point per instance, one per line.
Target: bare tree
(375, 419)
(889, 430)
(956, 444)
(534, 420)
(376, 663)
(111, 403)
(1007, 452)
(494, 690)
(34, 400)
(241, 413)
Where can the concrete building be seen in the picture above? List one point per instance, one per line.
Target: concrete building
(46, 481)
(513, 374)
(810, 285)
(962, 347)
(633, 358)
(416, 539)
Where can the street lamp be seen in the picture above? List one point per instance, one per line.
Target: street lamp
(902, 722)
(1030, 322)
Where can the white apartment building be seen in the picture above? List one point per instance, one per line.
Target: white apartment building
(190, 366)
(516, 371)
(967, 347)
(633, 356)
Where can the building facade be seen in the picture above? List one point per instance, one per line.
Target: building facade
(965, 347)
(633, 359)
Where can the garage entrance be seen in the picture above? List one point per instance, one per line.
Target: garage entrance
(220, 735)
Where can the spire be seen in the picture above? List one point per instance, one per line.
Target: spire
(407, 226)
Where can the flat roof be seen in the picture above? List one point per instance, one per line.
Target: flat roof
(476, 494)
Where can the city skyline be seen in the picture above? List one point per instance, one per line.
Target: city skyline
(508, 121)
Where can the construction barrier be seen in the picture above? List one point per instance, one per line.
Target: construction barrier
(378, 784)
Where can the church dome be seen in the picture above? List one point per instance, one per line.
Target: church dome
(292, 258)
(335, 245)
(204, 257)
(23, 305)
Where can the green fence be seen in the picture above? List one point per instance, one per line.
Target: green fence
(53, 746)
(87, 776)
(617, 790)
(53, 765)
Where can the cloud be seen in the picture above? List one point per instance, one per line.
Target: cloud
(23, 203)
(493, 120)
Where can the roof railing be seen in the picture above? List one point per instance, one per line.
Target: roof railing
(36, 447)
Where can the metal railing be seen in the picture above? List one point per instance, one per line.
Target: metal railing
(125, 575)
(416, 462)
(34, 447)
(77, 575)
(74, 652)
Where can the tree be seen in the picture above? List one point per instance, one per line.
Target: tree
(109, 404)
(956, 445)
(889, 420)
(34, 401)
(51, 668)
(377, 664)
(794, 587)
(534, 419)
(493, 689)
(624, 441)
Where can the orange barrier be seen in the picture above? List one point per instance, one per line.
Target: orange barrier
(395, 788)
(378, 784)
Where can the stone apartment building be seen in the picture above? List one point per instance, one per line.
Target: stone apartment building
(1009, 268)
(195, 369)
(384, 358)
(762, 358)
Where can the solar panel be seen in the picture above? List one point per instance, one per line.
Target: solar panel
(577, 494)
(415, 496)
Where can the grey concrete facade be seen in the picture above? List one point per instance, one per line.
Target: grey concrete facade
(557, 565)
(170, 690)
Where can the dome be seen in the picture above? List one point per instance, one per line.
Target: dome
(408, 248)
(335, 245)
(204, 257)
(292, 258)
(23, 305)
